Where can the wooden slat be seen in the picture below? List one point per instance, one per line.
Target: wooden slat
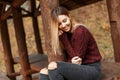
(14, 74)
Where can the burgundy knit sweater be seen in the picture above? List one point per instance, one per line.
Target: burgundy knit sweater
(80, 43)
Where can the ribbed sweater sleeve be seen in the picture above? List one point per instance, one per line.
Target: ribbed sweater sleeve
(67, 45)
(80, 42)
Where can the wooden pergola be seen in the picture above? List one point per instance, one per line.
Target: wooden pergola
(33, 63)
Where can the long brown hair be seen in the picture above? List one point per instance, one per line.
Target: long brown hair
(63, 11)
(54, 28)
(59, 11)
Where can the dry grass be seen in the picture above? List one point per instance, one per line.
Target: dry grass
(95, 17)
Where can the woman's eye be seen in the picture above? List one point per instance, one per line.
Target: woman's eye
(65, 20)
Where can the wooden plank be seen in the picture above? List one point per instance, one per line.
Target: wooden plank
(32, 58)
(114, 16)
(21, 42)
(39, 65)
(37, 61)
(74, 4)
(7, 0)
(7, 48)
(110, 70)
(36, 28)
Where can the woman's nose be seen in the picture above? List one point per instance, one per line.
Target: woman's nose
(63, 25)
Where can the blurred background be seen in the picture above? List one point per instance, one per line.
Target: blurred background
(94, 16)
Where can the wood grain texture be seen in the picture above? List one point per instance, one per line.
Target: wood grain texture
(114, 16)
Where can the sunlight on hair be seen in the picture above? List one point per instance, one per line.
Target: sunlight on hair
(55, 38)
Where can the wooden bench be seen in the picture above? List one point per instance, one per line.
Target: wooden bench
(110, 70)
(37, 61)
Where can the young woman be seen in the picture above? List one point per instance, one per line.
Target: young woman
(82, 54)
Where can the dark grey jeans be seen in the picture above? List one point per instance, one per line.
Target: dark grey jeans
(69, 71)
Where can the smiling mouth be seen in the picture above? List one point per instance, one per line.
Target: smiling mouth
(66, 29)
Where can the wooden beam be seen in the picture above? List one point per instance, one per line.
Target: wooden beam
(70, 4)
(114, 16)
(15, 4)
(36, 28)
(1, 5)
(23, 16)
(21, 42)
(46, 8)
(9, 64)
(85, 2)
(73, 4)
(6, 0)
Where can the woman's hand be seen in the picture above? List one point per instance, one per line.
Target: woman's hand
(76, 60)
(60, 32)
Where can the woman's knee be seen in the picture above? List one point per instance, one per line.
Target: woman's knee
(52, 66)
(44, 71)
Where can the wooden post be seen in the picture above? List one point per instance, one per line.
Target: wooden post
(7, 49)
(21, 42)
(9, 64)
(36, 28)
(114, 16)
(46, 8)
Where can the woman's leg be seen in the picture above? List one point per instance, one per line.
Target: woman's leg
(44, 74)
(53, 72)
(78, 72)
(69, 71)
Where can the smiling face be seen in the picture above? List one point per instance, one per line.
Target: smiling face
(64, 23)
